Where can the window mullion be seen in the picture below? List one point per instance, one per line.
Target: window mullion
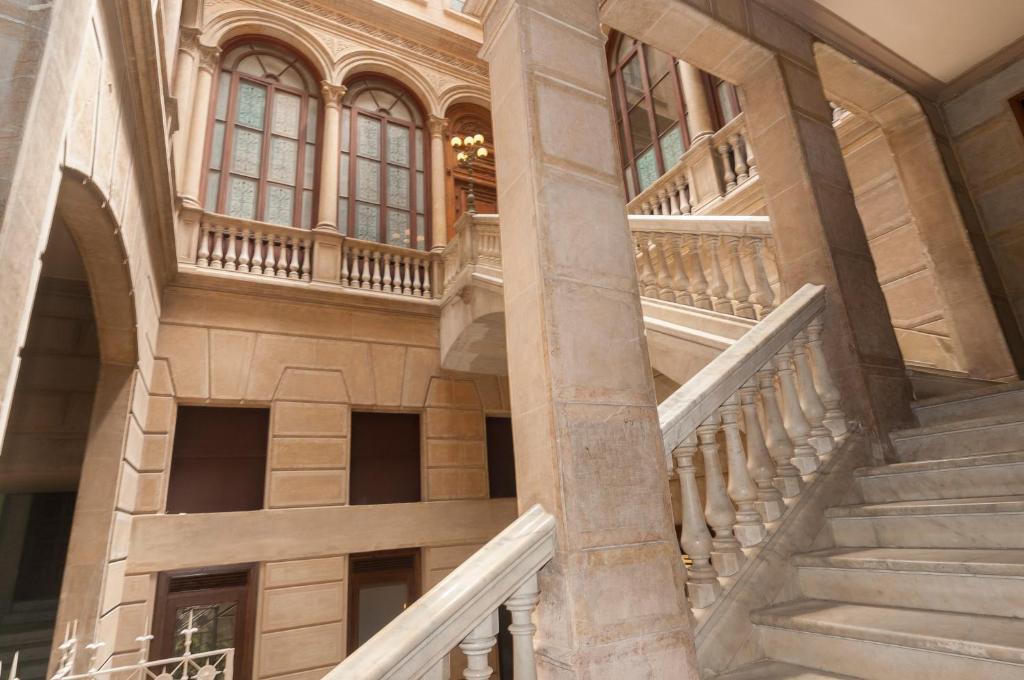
(261, 182)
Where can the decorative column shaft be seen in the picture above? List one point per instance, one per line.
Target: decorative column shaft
(193, 175)
(330, 157)
(696, 96)
(438, 205)
(184, 79)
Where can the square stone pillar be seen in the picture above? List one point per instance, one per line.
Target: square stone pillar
(588, 441)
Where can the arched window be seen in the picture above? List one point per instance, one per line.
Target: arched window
(382, 190)
(262, 144)
(651, 111)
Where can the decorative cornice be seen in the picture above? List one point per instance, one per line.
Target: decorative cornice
(437, 125)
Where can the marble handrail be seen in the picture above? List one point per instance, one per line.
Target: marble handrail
(462, 611)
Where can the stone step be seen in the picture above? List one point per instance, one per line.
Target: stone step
(961, 438)
(983, 402)
(882, 643)
(776, 670)
(989, 582)
(991, 474)
(986, 522)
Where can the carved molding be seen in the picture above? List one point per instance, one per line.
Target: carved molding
(332, 94)
(209, 57)
(437, 125)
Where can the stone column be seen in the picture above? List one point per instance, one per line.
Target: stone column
(184, 77)
(330, 156)
(193, 174)
(588, 441)
(438, 207)
(697, 105)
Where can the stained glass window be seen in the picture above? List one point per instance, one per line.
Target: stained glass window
(263, 137)
(383, 164)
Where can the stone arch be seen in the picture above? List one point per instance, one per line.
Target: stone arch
(97, 234)
(465, 93)
(952, 257)
(370, 61)
(239, 23)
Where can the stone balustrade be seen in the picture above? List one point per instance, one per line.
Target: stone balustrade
(770, 400)
(713, 167)
(462, 611)
(477, 243)
(722, 263)
(279, 252)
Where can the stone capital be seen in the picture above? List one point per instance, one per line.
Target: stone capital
(188, 39)
(437, 125)
(209, 57)
(332, 94)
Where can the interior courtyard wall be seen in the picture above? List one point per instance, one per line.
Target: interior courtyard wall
(988, 140)
(312, 365)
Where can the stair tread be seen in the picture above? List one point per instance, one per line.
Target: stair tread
(939, 506)
(957, 425)
(992, 638)
(777, 670)
(973, 561)
(969, 395)
(981, 460)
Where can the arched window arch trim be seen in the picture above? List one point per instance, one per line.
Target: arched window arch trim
(261, 179)
(384, 191)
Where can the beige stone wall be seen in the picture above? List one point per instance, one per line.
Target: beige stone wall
(989, 146)
(903, 267)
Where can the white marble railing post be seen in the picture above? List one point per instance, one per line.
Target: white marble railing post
(719, 288)
(727, 172)
(726, 555)
(648, 280)
(477, 646)
(749, 528)
(701, 579)
(738, 152)
(699, 282)
(835, 418)
(759, 462)
(820, 437)
(683, 190)
(662, 274)
(673, 244)
(762, 294)
(520, 606)
(739, 291)
(787, 476)
(805, 457)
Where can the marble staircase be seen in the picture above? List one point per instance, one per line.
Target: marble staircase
(924, 579)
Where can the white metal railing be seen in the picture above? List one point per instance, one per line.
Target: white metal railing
(713, 262)
(462, 611)
(711, 168)
(775, 385)
(215, 664)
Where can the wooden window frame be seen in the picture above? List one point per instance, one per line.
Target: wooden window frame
(409, 99)
(711, 84)
(306, 99)
(355, 581)
(164, 609)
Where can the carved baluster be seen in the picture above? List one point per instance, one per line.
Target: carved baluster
(821, 437)
(345, 252)
(751, 163)
(645, 209)
(662, 274)
(417, 288)
(282, 257)
(256, 263)
(787, 477)
(673, 245)
(835, 419)
(762, 294)
(375, 280)
(231, 256)
(203, 256)
(307, 259)
(684, 200)
(666, 206)
(805, 457)
(293, 263)
(749, 529)
(718, 288)
(477, 646)
(739, 291)
(727, 173)
(365, 258)
(406, 278)
(673, 200)
(726, 554)
(217, 257)
(737, 153)
(386, 279)
(759, 463)
(648, 281)
(701, 579)
(520, 607)
(426, 276)
(698, 282)
(270, 262)
(243, 255)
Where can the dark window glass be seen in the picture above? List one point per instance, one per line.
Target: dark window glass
(219, 460)
(385, 458)
(45, 548)
(381, 586)
(501, 461)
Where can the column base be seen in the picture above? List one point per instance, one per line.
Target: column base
(788, 486)
(326, 227)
